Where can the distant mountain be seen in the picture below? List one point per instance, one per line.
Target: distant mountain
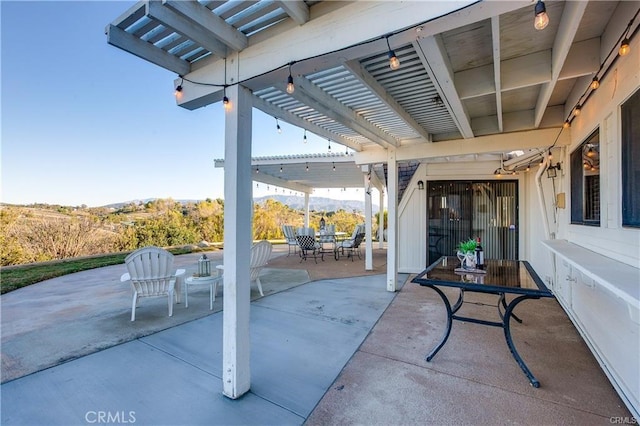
(317, 203)
(295, 202)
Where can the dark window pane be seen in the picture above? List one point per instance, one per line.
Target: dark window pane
(630, 151)
(585, 182)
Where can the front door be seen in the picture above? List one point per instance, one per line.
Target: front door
(459, 210)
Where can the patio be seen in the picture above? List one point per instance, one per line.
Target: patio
(330, 351)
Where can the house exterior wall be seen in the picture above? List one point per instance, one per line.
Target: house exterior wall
(609, 324)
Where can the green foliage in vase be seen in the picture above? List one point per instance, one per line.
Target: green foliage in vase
(468, 246)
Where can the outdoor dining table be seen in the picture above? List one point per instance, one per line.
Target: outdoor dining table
(333, 237)
(500, 277)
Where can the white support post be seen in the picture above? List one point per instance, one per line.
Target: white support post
(381, 221)
(236, 374)
(392, 221)
(306, 209)
(368, 255)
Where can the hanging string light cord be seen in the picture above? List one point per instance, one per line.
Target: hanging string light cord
(362, 43)
(604, 69)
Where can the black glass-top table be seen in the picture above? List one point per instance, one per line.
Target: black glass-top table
(502, 277)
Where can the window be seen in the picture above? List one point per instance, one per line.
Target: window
(630, 151)
(585, 182)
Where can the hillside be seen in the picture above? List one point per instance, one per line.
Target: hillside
(319, 204)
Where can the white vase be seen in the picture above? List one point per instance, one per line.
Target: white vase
(467, 260)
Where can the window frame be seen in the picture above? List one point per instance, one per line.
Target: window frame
(578, 184)
(630, 199)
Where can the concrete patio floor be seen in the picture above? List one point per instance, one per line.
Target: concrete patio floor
(325, 352)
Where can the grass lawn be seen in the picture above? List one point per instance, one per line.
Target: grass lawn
(24, 275)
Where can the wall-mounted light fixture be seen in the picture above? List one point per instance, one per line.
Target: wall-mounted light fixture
(420, 185)
(552, 171)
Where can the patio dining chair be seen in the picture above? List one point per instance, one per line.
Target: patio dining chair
(309, 248)
(151, 274)
(352, 245)
(290, 237)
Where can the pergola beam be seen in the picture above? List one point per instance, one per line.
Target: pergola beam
(296, 9)
(147, 51)
(210, 22)
(316, 98)
(293, 119)
(431, 52)
(356, 68)
(504, 142)
(569, 23)
(186, 27)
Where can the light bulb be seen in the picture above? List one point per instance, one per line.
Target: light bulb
(541, 19)
(595, 83)
(226, 104)
(394, 62)
(576, 111)
(566, 124)
(290, 87)
(624, 47)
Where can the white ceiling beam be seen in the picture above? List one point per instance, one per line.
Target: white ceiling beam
(526, 71)
(356, 68)
(210, 22)
(296, 9)
(583, 59)
(293, 119)
(316, 98)
(503, 142)
(433, 56)
(186, 27)
(475, 82)
(497, 72)
(142, 49)
(569, 23)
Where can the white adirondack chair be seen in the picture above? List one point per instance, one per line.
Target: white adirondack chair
(260, 253)
(151, 275)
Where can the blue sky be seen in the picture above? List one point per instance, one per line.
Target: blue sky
(84, 122)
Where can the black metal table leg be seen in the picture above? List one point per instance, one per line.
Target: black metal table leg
(503, 302)
(507, 334)
(449, 322)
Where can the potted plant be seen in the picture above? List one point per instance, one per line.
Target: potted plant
(467, 253)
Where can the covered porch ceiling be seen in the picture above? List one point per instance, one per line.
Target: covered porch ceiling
(470, 72)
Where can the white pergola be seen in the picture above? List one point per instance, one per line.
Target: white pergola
(306, 173)
(475, 79)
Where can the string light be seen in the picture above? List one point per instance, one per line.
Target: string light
(595, 83)
(304, 138)
(394, 62)
(550, 155)
(577, 110)
(257, 170)
(334, 166)
(280, 168)
(566, 124)
(624, 47)
(290, 87)
(278, 128)
(178, 91)
(541, 19)
(329, 144)
(307, 167)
